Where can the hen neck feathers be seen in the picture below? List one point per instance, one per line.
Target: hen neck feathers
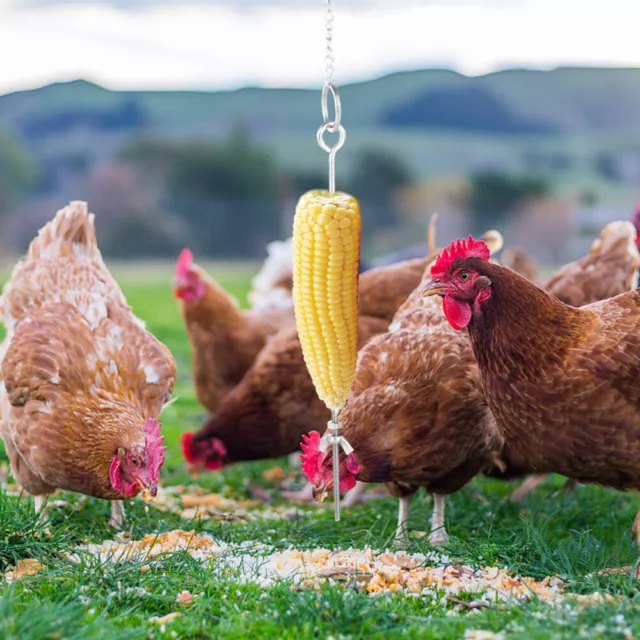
(521, 328)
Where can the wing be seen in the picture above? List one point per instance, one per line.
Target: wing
(611, 351)
(44, 365)
(146, 366)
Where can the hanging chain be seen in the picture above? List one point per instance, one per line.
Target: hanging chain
(328, 26)
(331, 125)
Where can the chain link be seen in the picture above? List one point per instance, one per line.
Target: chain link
(328, 25)
(331, 125)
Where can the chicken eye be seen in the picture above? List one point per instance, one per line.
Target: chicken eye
(464, 276)
(134, 462)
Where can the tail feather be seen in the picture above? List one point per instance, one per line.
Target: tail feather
(71, 231)
(276, 268)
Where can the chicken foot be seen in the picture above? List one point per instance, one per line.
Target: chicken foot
(438, 533)
(117, 514)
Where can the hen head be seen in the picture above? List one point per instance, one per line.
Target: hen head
(204, 454)
(462, 286)
(187, 282)
(318, 467)
(137, 467)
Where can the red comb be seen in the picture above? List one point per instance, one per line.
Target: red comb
(311, 455)
(460, 248)
(185, 260)
(155, 450)
(185, 441)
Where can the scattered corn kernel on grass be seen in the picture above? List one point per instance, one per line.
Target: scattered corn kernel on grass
(178, 595)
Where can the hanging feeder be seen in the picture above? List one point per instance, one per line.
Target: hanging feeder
(326, 264)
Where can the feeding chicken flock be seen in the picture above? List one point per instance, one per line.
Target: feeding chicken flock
(466, 366)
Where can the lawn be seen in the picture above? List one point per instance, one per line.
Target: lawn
(552, 534)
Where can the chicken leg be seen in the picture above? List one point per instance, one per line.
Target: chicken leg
(39, 506)
(404, 503)
(117, 514)
(527, 487)
(438, 533)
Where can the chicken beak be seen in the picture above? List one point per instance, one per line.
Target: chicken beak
(433, 288)
(178, 285)
(320, 493)
(147, 488)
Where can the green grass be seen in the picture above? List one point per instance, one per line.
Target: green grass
(552, 534)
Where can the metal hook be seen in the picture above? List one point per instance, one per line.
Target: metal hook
(331, 150)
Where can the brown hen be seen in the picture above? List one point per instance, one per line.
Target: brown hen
(610, 268)
(562, 382)
(416, 416)
(83, 381)
(224, 340)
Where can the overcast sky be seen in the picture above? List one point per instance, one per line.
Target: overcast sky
(177, 44)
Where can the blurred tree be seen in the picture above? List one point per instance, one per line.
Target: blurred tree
(226, 193)
(608, 166)
(141, 235)
(376, 177)
(493, 196)
(17, 172)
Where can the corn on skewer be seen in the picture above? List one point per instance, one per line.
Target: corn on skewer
(326, 260)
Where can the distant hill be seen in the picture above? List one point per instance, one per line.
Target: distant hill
(439, 121)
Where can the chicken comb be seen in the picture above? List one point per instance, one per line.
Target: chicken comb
(155, 450)
(635, 218)
(185, 260)
(460, 248)
(186, 440)
(310, 455)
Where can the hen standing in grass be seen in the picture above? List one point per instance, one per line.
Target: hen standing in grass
(416, 416)
(83, 382)
(561, 382)
(225, 340)
(610, 268)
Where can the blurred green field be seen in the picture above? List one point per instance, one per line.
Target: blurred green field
(552, 534)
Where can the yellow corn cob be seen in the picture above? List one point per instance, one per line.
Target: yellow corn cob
(326, 260)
